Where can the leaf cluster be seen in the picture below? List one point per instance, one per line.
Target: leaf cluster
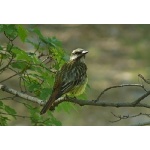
(35, 68)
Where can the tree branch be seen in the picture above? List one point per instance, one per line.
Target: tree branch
(141, 98)
(122, 117)
(105, 104)
(145, 80)
(117, 86)
(135, 103)
(22, 95)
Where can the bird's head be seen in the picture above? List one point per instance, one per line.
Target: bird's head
(78, 54)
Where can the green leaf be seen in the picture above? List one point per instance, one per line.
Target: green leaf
(22, 32)
(33, 86)
(10, 110)
(45, 92)
(54, 42)
(21, 55)
(38, 32)
(9, 47)
(4, 55)
(56, 122)
(3, 121)
(19, 65)
(33, 110)
(1, 47)
(1, 103)
(49, 79)
(64, 106)
(10, 30)
(34, 114)
(52, 120)
(1, 28)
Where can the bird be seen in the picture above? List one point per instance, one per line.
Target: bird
(71, 79)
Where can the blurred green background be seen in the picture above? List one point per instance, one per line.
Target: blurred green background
(117, 54)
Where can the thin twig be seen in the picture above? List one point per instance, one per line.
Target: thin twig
(7, 98)
(124, 117)
(117, 86)
(11, 40)
(10, 77)
(11, 59)
(45, 59)
(146, 80)
(37, 48)
(141, 98)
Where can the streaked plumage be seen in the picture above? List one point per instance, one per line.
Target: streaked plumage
(71, 79)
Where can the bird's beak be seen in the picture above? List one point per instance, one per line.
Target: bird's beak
(84, 52)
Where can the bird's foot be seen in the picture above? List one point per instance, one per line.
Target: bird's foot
(95, 101)
(67, 97)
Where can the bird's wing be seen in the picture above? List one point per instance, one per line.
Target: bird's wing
(69, 76)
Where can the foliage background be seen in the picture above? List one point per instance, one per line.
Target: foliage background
(117, 53)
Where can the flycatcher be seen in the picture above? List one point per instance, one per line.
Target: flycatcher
(71, 79)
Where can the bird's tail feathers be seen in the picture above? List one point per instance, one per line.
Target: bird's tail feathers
(48, 105)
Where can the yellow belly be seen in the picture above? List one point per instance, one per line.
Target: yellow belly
(78, 90)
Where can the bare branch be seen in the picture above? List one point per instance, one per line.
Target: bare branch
(22, 95)
(77, 101)
(10, 77)
(105, 104)
(141, 98)
(119, 117)
(117, 86)
(7, 98)
(122, 117)
(142, 77)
